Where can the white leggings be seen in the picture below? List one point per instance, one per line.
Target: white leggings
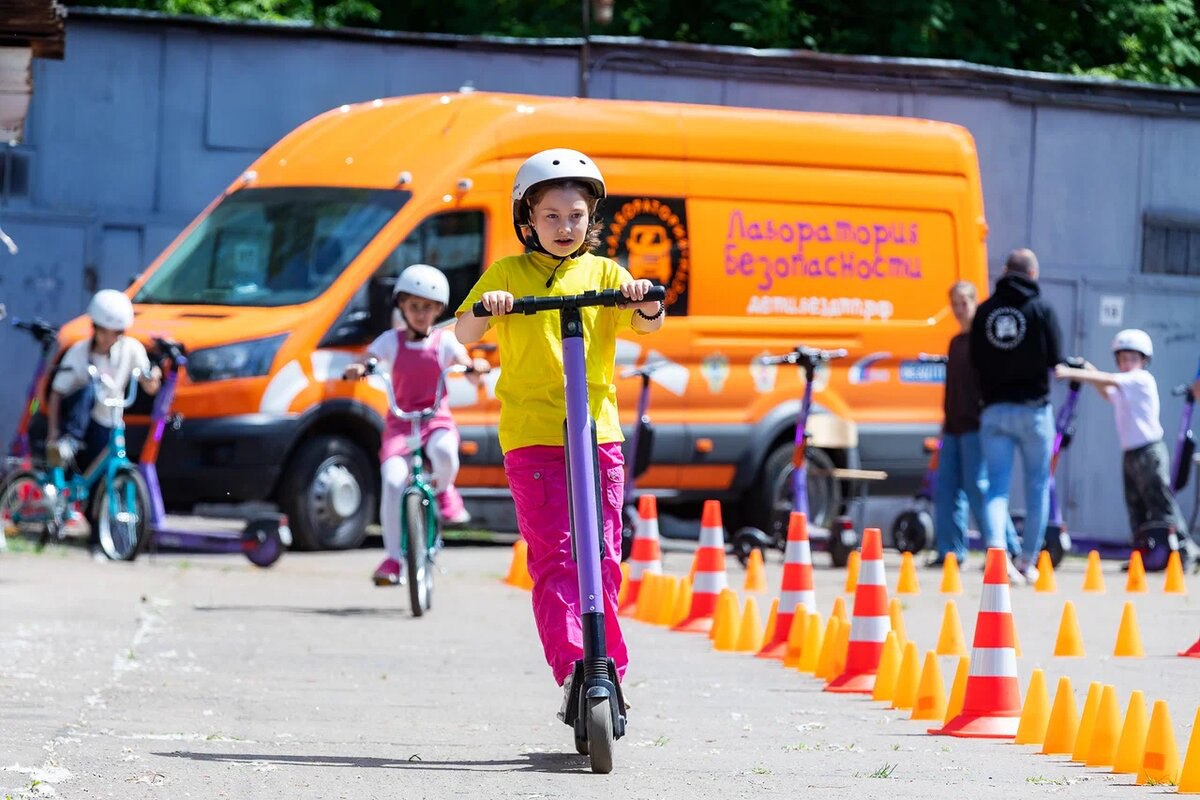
(442, 453)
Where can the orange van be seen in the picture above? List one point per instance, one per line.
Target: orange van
(769, 228)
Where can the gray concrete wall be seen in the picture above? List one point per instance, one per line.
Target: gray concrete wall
(143, 123)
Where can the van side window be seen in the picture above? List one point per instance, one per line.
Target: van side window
(452, 242)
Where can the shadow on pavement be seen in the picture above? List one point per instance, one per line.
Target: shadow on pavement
(351, 611)
(553, 763)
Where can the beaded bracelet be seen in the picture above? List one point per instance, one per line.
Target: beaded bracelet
(662, 307)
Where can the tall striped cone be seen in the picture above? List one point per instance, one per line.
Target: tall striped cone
(870, 624)
(646, 555)
(796, 588)
(1191, 652)
(992, 703)
(710, 577)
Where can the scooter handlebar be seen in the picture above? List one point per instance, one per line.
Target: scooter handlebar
(604, 297)
(646, 370)
(803, 355)
(39, 329)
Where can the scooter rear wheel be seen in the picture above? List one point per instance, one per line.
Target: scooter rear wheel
(600, 735)
(912, 531)
(264, 546)
(746, 540)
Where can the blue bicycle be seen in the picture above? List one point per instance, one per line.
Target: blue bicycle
(39, 502)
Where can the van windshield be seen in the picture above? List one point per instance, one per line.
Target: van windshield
(271, 247)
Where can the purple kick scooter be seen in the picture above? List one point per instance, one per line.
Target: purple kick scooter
(596, 709)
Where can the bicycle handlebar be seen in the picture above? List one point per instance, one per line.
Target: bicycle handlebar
(604, 297)
(130, 393)
(439, 393)
(805, 355)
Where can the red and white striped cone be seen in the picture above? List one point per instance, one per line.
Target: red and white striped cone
(710, 577)
(646, 554)
(796, 588)
(992, 702)
(870, 622)
(1191, 652)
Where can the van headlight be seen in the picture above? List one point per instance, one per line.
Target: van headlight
(238, 360)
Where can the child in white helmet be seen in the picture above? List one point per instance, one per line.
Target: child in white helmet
(414, 356)
(1146, 464)
(555, 195)
(78, 422)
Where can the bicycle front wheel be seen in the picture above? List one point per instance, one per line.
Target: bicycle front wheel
(417, 555)
(122, 515)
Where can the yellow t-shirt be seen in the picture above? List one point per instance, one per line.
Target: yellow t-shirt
(530, 388)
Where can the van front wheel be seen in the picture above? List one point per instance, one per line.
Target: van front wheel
(328, 494)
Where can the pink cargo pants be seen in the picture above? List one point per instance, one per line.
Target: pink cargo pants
(537, 476)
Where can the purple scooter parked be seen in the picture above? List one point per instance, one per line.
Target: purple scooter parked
(641, 447)
(596, 709)
(46, 335)
(262, 537)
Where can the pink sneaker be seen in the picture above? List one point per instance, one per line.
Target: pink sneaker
(451, 508)
(388, 573)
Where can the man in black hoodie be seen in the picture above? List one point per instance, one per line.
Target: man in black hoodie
(1014, 344)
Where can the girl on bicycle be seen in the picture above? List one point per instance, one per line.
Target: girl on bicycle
(78, 423)
(555, 195)
(416, 354)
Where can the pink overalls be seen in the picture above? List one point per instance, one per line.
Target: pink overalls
(537, 476)
(415, 375)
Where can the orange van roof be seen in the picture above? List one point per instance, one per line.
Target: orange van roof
(370, 144)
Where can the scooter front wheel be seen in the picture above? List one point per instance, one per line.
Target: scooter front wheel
(262, 542)
(599, 735)
(746, 540)
(912, 531)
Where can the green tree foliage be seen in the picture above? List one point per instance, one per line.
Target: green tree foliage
(1131, 39)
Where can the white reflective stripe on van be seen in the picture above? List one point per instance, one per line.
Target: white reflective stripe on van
(284, 387)
(993, 662)
(804, 597)
(712, 537)
(870, 629)
(871, 573)
(996, 597)
(709, 582)
(797, 553)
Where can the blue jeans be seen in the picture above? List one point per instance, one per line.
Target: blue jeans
(1005, 428)
(961, 484)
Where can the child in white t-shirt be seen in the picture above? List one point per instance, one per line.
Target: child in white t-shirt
(1146, 463)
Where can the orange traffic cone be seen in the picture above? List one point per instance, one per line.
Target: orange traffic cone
(1102, 751)
(1129, 640)
(907, 583)
(1174, 583)
(710, 576)
(1064, 721)
(668, 591)
(829, 643)
(957, 691)
(1035, 715)
(1087, 723)
(840, 652)
(1132, 744)
(909, 679)
(646, 608)
(992, 705)
(772, 622)
(1069, 643)
(1160, 762)
(518, 568)
(896, 617)
(623, 592)
(797, 585)
(852, 572)
(727, 622)
(1093, 579)
(794, 646)
(1045, 581)
(646, 555)
(683, 601)
(810, 657)
(1136, 580)
(750, 633)
(870, 625)
(889, 669)
(950, 639)
(839, 611)
(951, 580)
(1191, 652)
(756, 573)
(931, 691)
(1189, 778)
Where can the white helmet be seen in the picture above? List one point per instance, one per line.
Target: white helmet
(1133, 339)
(111, 309)
(559, 164)
(422, 280)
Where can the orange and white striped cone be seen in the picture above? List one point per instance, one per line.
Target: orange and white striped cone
(797, 585)
(870, 623)
(1191, 652)
(710, 577)
(992, 702)
(646, 555)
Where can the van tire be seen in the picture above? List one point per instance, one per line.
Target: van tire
(315, 521)
(763, 512)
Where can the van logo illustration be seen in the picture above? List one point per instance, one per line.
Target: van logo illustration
(763, 374)
(863, 371)
(715, 371)
(1005, 328)
(649, 237)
